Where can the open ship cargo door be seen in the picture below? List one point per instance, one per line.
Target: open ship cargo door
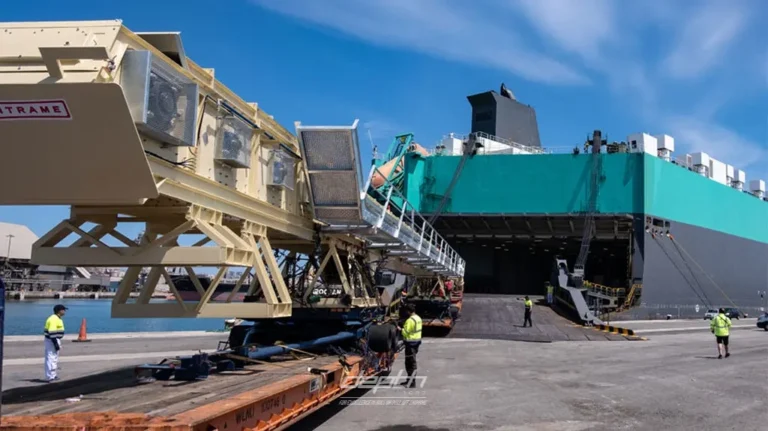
(70, 144)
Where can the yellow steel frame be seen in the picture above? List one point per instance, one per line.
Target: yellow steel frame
(242, 243)
(172, 190)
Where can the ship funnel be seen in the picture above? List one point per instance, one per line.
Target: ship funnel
(502, 116)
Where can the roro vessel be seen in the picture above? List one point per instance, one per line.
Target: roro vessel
(642, 229)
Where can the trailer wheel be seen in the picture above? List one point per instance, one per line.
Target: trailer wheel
(381, 338)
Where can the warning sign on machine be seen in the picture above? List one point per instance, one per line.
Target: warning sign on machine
(34, 109)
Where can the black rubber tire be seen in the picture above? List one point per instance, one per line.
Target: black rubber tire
(381, 338)
(393, 335)
(765, 328)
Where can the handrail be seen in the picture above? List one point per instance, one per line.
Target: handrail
(511, 143)
(533, 150)
(605, 290)
(442, 249)
(630, 297)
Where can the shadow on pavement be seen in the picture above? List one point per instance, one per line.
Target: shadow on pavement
(87, 385)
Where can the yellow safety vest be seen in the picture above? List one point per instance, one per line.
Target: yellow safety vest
(549, 289)
(412, 329)
(721, 324)
(528, 304)
(54, 327)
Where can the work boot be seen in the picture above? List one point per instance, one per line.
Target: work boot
(719, 356)
(410, 382)
(727, 354)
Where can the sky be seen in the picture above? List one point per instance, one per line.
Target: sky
(694, 69)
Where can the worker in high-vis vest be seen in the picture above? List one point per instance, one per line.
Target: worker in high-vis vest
(550, 290)
(411, 332)
(54, 332)
(528, 306)
(721, 327)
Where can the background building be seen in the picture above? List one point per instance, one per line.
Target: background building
(19, 272)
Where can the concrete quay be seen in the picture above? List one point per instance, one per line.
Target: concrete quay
(475, 384)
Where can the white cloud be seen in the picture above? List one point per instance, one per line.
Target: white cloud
(581, 27)
(705, 39)
(450, 30)
(621, 47)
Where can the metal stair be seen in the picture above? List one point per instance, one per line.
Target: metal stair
(341, 200)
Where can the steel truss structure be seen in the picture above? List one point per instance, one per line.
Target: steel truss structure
(103, 154)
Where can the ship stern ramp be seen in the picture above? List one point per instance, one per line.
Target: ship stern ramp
(343, 202)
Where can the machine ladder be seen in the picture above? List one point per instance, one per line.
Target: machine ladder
(345, 203)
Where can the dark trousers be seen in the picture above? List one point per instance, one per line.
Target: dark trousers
(411, 350)
(527, 318)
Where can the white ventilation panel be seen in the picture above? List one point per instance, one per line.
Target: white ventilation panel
(701, 163)
(233, 142)
(757, 187)
(643, 143)
(718, 171)
(453, 145)
(665, 142)
(162, 101)
(281, 171)
(739, 177)
(666, 146)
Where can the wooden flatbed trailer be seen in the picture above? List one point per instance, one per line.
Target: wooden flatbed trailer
(267, 396)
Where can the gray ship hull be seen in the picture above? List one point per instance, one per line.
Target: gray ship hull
(698, 266)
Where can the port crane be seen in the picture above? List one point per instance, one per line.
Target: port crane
(126, 130)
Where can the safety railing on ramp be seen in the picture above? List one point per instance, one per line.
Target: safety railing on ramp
(331, 157)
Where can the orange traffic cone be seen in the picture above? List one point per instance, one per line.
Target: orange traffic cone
(82, 337)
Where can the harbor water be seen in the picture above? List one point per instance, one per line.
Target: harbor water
(28, 317)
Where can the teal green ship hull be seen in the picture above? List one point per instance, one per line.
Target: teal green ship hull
(686, 239)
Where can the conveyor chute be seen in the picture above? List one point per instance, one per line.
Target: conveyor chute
(343, 203)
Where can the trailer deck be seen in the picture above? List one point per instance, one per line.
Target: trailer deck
(266, 396)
